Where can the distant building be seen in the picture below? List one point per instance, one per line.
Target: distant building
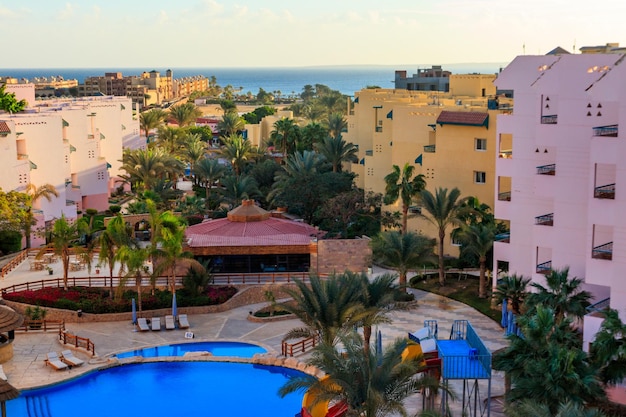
(609, 48)
(429, 79)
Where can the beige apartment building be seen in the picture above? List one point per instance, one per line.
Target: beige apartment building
(449, 137)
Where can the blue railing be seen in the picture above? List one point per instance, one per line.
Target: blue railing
(599, 306)
(545, 220)
(549, 119)
(547, 169)
(475, 364)
(605, 191)
(544, 268)
(604, 251)
(610, 130)
(503, 237)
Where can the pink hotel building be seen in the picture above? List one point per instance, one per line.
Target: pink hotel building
(75, 145)
(561, 174)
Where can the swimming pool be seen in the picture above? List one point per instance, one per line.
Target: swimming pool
(242, 350)
(166, 389)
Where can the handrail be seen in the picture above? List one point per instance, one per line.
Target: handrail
(287, 349)
(604, 251)
(599, 306)
(14, 263)
(44, 325)
(77, 341)
(609, 130)
(430, 148)
(544, 267)
(549, 169)
(605, 191)
(551, 119)
(504, 196)
(545, 219)
(503, 237)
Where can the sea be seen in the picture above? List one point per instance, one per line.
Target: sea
(288, 80)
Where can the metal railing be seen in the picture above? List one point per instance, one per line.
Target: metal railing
(549, 169)
(475, 364)
(604, 251)
(605, 191)
(599, 306)
(506, 154)
(610, 130)
(430, 148)
(545, 220)
(549, 119)
(505, 196)
(544, 267)
(503, 237)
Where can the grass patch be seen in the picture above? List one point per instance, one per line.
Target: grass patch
(464, 290)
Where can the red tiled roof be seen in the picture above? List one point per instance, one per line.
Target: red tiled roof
(467, 118)
(272, 231)
(4, 128)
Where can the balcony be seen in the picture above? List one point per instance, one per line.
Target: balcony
(22, 156)
(549, 120)
(429, 148)
(603, 251)
(546, 169)
(609, 131)
(545, 220)
(505, 196)
(90, 136)
(605, 191)
(379, 129)
(544, 268)
(369, 153)
(506, 154)
(503, 237)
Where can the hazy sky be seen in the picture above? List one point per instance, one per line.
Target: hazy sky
(249, 33)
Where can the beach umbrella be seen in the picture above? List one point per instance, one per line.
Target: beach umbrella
(7, 392)
(174, 307)
(134, 311)
(504, 311)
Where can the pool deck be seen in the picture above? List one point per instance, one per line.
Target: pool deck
(28, 369)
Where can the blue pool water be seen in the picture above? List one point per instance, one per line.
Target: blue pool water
(166, 389)
(242, 350)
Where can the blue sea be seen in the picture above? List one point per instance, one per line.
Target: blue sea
(289, 81)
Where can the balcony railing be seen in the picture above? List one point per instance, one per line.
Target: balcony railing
(603, 251)
(546, 169)
(549, 120)
(429, 148)
(379, 129)
(506, 154)
(605, 191)
(544, 268)
(610, 131)
(599, 306)
(505, 196)
(22, 156)
(545, 220)
(503, 237)
(369, 153)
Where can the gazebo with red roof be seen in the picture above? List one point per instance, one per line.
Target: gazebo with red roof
(249, 240)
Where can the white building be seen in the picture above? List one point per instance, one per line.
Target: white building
(561, 175)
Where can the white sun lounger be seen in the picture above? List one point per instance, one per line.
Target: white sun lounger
(143, 324)
(169, 323)
(68, 357)
(156, 323)
(183, 323)
(53, 360)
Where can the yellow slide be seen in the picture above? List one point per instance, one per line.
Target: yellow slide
(321, 408)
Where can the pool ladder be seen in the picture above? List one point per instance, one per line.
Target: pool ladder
(37, 406)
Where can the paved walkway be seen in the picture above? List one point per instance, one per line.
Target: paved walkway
(27, 368)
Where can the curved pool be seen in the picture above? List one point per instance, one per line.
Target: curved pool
(166, 389)
(242, 350)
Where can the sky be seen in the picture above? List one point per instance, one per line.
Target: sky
(297, 33)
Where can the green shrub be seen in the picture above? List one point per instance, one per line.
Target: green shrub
(114, 209)
(65, 304)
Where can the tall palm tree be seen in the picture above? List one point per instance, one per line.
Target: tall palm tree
(285, 135)
(151, 119)
(113, 237)
(35, 193)
(337, 123)
(336, 151)
(403, 251)
(239, 152)
(367, 386)
(231, 124)
(65, 236)
(478, 239)
(312, 134)
(562, 293)
(443, 210)
(134, 261)
(193, 149)
(236, 189)
(185, 114)
(326, 307)
(144, 167)
(401, 184)
(529, 407)
(514, 289)
(608, 350)
(209, 171)
(170, 140)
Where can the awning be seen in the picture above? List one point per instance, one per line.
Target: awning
(65, 123)
(463, 118)
(102, 136)
(32, 165)
(390, 115)
(72, 148)
(418, 160)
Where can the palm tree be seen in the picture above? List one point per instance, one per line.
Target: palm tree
(367, 386)
(312, 134)
(134, 260)
(403, 251)
(336, 151)
(239, 152)
(209, 171)
(231, 124)
(151, 119)
(562, 294)
(144, 167)
(193, 149)
(185, 114)
(443, 210)
(326, 307)
(35, 193)
(478, 239)
(608, 350)
(170, 140)
(529, 407)
(402, 185)
(514, 289)
(336, 124)
(285, 135)
(196, 281)
(113, 237)
(236, 189)
(65, 236)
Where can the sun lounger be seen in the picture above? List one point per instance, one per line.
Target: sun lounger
(68, 357)
(169, 323)
(156, 323)
(3, 376)
(53, 360)
(143, 324)
(183, 323)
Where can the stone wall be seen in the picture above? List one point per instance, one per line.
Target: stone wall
(339, 255)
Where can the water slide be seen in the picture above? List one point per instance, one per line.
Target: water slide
(321, 409)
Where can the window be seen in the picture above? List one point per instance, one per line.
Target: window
(455, 241)
(480, 144)
(480, 177)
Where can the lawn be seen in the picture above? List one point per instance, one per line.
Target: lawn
(464, 290)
